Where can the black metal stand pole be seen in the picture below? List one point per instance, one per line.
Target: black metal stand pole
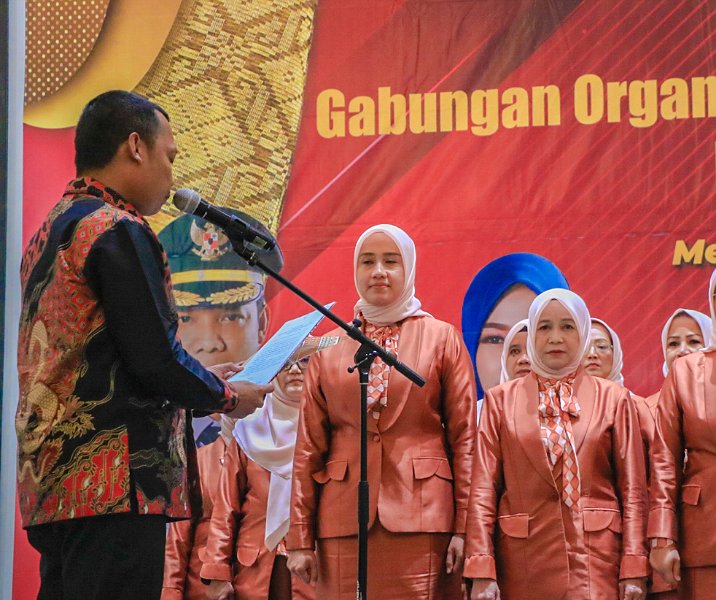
(364, 359)
(366, 354)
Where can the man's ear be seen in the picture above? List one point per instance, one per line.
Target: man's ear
(263, 323)
(135, 147)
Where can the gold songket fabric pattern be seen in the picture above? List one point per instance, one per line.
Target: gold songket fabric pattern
(231, 75)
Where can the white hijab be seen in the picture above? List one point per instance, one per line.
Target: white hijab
(578, 310)
(268, 437)
(712, 336)
(704, 323)
(516, 328)
(617, 355)
(407, 305)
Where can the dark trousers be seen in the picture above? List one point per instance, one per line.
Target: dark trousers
(119, 556)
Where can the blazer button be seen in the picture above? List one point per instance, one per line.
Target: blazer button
(376, 438)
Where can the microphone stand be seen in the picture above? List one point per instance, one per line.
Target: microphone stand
(364, 357)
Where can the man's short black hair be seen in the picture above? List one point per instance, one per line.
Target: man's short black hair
(107, 121)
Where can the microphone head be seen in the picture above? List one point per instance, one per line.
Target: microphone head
(186, 200)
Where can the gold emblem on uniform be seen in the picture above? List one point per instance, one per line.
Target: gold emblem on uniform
(212, 243)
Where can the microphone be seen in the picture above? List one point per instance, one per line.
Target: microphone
(236, 229)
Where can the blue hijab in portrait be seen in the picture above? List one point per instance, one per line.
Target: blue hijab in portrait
(490, 284)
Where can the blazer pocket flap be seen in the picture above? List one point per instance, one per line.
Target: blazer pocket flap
(335, 469)
(247, 555)
(516, 526)
(596, 519)
(424, 467)
(690, 494)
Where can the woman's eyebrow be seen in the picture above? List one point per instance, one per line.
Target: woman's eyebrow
(495, 325)
(688, 335)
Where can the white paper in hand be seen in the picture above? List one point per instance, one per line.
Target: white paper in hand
(263, 366)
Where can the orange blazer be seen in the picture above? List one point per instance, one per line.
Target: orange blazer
(186, 540)
(513, 489)
(648, 431)
(683, 496)
(652, 402)
(419, 451)
(235, 549)
(647, 426)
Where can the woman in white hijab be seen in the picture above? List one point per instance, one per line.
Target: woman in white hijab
(682, 519)
(420, 444)
(685, 331)
(604, 356)
(250, 515)
(514, 361)
(559, 472)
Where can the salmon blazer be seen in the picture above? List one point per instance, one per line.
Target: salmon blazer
(419, 451)
(235, 548)
(515, 530)
(186, 540)
(683, 495)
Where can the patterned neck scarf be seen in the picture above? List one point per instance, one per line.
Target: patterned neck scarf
(387, 337)
(557, 407)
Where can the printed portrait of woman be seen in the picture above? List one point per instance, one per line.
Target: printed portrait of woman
(500, 295)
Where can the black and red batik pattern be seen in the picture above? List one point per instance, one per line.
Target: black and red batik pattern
(104, 383)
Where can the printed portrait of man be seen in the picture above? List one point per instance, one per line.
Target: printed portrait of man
(219, 298)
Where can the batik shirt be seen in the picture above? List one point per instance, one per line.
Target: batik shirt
(104, 383)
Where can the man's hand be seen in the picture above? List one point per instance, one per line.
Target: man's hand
(226, 370)
(303, 564)
(485, 589)
(220, 590)
(453, 562)
(665, 560)
(250, 396)
(632, 589)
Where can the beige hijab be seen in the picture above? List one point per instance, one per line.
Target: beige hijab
(705, 326)
(579, 312)
(268, 437)
(406, 305)
(712, 338)
(516, 328)
(617, 355)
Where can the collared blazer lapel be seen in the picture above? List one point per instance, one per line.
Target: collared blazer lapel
(527, 426)
(584, 391)
(410, 346)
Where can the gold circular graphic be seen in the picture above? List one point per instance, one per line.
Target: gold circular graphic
(82, 57)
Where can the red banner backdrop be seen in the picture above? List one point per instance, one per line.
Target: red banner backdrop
(582, 131)
(614, 192)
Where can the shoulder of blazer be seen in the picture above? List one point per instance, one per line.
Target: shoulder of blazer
(434, 328)
(603, 386)
(510, 389)
(689, 366)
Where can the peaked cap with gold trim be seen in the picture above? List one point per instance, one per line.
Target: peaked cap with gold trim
(206, 272)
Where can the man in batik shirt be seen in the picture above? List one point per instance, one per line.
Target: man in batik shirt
(104, 457)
